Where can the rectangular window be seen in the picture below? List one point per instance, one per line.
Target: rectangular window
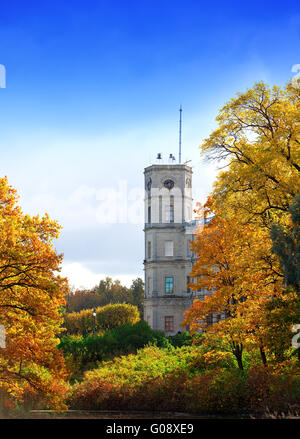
(149, 250)
(170, 210)
(188, 249)
(160, 209)
(188, 280)
(169, 323)
(149, 285)
(209, 320)
(169, 285)
(169, 248)
(149, 214)
(167, 211)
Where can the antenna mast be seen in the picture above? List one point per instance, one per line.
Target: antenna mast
(180, 123)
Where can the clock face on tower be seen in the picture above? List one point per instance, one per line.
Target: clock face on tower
(169, 184)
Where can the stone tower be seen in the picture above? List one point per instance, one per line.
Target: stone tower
(168, 259)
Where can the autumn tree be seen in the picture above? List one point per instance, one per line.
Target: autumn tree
(112, 291)
(280, 314)
(231, 268)
(286, 244)
(31, 298)
(258, 139)
(80, 299)
(137, 290)
(107, 292)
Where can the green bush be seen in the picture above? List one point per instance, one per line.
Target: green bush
(187, 379)
(125, 381)
(89, 350)
(107, 317)
(217, 391)
(181, 339)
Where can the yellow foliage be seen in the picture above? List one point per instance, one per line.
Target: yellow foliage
(107, 317)
(259, 138)
(32, 294)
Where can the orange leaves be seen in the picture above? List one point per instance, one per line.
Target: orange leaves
(232, 266)
(259, 138)
(31, 294)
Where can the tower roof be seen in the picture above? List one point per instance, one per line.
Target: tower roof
(168, 166)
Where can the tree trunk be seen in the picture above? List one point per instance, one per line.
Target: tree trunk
(240, 361)
(263, 355)
(238, 353)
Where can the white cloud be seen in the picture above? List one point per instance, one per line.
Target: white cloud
(81, 277)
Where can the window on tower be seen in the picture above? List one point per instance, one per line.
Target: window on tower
(170, 210)
(218, 317)
(169, 248)
(188, 249)
(169, 285)
(188, 280)
(149, 285)
(209, 320)
(149, 250)
(169, 323)
(160, 209)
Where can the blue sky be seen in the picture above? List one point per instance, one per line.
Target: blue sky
(92, 94)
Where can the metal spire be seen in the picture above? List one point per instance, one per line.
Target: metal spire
(180, 123)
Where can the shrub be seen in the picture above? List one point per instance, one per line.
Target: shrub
(88, 351)
(216, 391)
(269, 390)
(132, 377)
(107, 317)
(181, 339)
(188, 379)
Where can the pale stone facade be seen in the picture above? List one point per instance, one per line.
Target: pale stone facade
(168, 230)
